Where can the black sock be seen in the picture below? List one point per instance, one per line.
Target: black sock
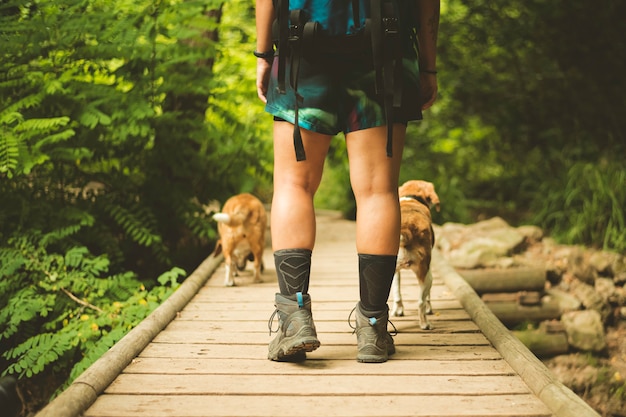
(375, 277)
(293, 267)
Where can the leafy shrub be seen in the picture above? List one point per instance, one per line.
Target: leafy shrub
(586, 205)
(116, 134)
(62, 308)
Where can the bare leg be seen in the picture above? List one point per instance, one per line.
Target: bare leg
(374, 178)
(293, 237)
(295, 184)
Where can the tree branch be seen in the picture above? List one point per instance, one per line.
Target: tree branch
(81, 302)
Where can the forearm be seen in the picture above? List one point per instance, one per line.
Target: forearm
(264, 18)
(428, 19)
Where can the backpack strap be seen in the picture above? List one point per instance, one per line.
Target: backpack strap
(387, 56)
(292, 27)
(293, 33)
(356, 13)
(282, 10)
(299, 31)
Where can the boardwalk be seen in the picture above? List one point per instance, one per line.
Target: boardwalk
(211, 359)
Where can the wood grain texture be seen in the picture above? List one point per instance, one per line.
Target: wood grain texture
(211, 359)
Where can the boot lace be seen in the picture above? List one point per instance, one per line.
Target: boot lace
(372, 321)
(271, 321)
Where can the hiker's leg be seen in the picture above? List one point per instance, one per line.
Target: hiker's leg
(374, 178)
(295, 184)
(293, 215)
(293, 237)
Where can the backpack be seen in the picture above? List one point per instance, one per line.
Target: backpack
(385, 28)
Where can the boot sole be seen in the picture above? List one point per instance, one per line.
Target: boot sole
(371, 359)
(304, 341)
(287, 350)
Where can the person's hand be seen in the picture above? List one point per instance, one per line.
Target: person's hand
(263, 68)
(428, 87)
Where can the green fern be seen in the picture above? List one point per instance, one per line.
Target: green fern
(71, 296)
(32, 356)
(112, 94)
(9, 152)
(136, 224)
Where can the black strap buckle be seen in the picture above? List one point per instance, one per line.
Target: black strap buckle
(391, 26)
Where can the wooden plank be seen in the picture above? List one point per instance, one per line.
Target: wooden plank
(262, 338)
(320, 313)
(184, 350)
(338, 291)
(326, 323)
(312, 366)
(265, 293)
(410, 304)
(364, 405)
(212, 359)
(307, 385)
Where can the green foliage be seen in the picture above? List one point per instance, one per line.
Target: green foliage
(63, 310)
(518, 107)
(519, 115)
(587, 205)
(120, 123)
(118, 110)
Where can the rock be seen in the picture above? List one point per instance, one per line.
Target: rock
(484, 244)
(494, 223)
(590, 299)
(605, 287)
(619, 297)
(579, 266)
(476, 253)
(602, 262)
(567, 302)
(585, 330)
(618, 265)
(531, 233)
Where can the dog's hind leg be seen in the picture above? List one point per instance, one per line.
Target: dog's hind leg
(230, 267)
(397, 308)
(258, 267)
(423, 300)
(427, 286)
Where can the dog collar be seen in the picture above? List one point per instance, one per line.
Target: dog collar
(414, 197)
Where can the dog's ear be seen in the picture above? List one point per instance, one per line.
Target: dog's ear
(433, 200)
(218, 248)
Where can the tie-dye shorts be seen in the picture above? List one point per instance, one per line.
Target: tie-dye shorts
(339, 94)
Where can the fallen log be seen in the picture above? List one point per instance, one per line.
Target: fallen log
(512, 313)
(525, 298)
(543, 344)
(493, 280)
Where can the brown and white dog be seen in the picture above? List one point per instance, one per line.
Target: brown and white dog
(417, 239)
(241, 226)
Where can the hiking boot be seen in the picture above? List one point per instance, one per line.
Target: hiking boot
(374, 342)
(296, 331)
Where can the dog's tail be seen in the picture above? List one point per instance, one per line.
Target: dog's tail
(232, 220)
(221, 217)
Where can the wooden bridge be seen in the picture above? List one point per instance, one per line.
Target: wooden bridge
(203, 353)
